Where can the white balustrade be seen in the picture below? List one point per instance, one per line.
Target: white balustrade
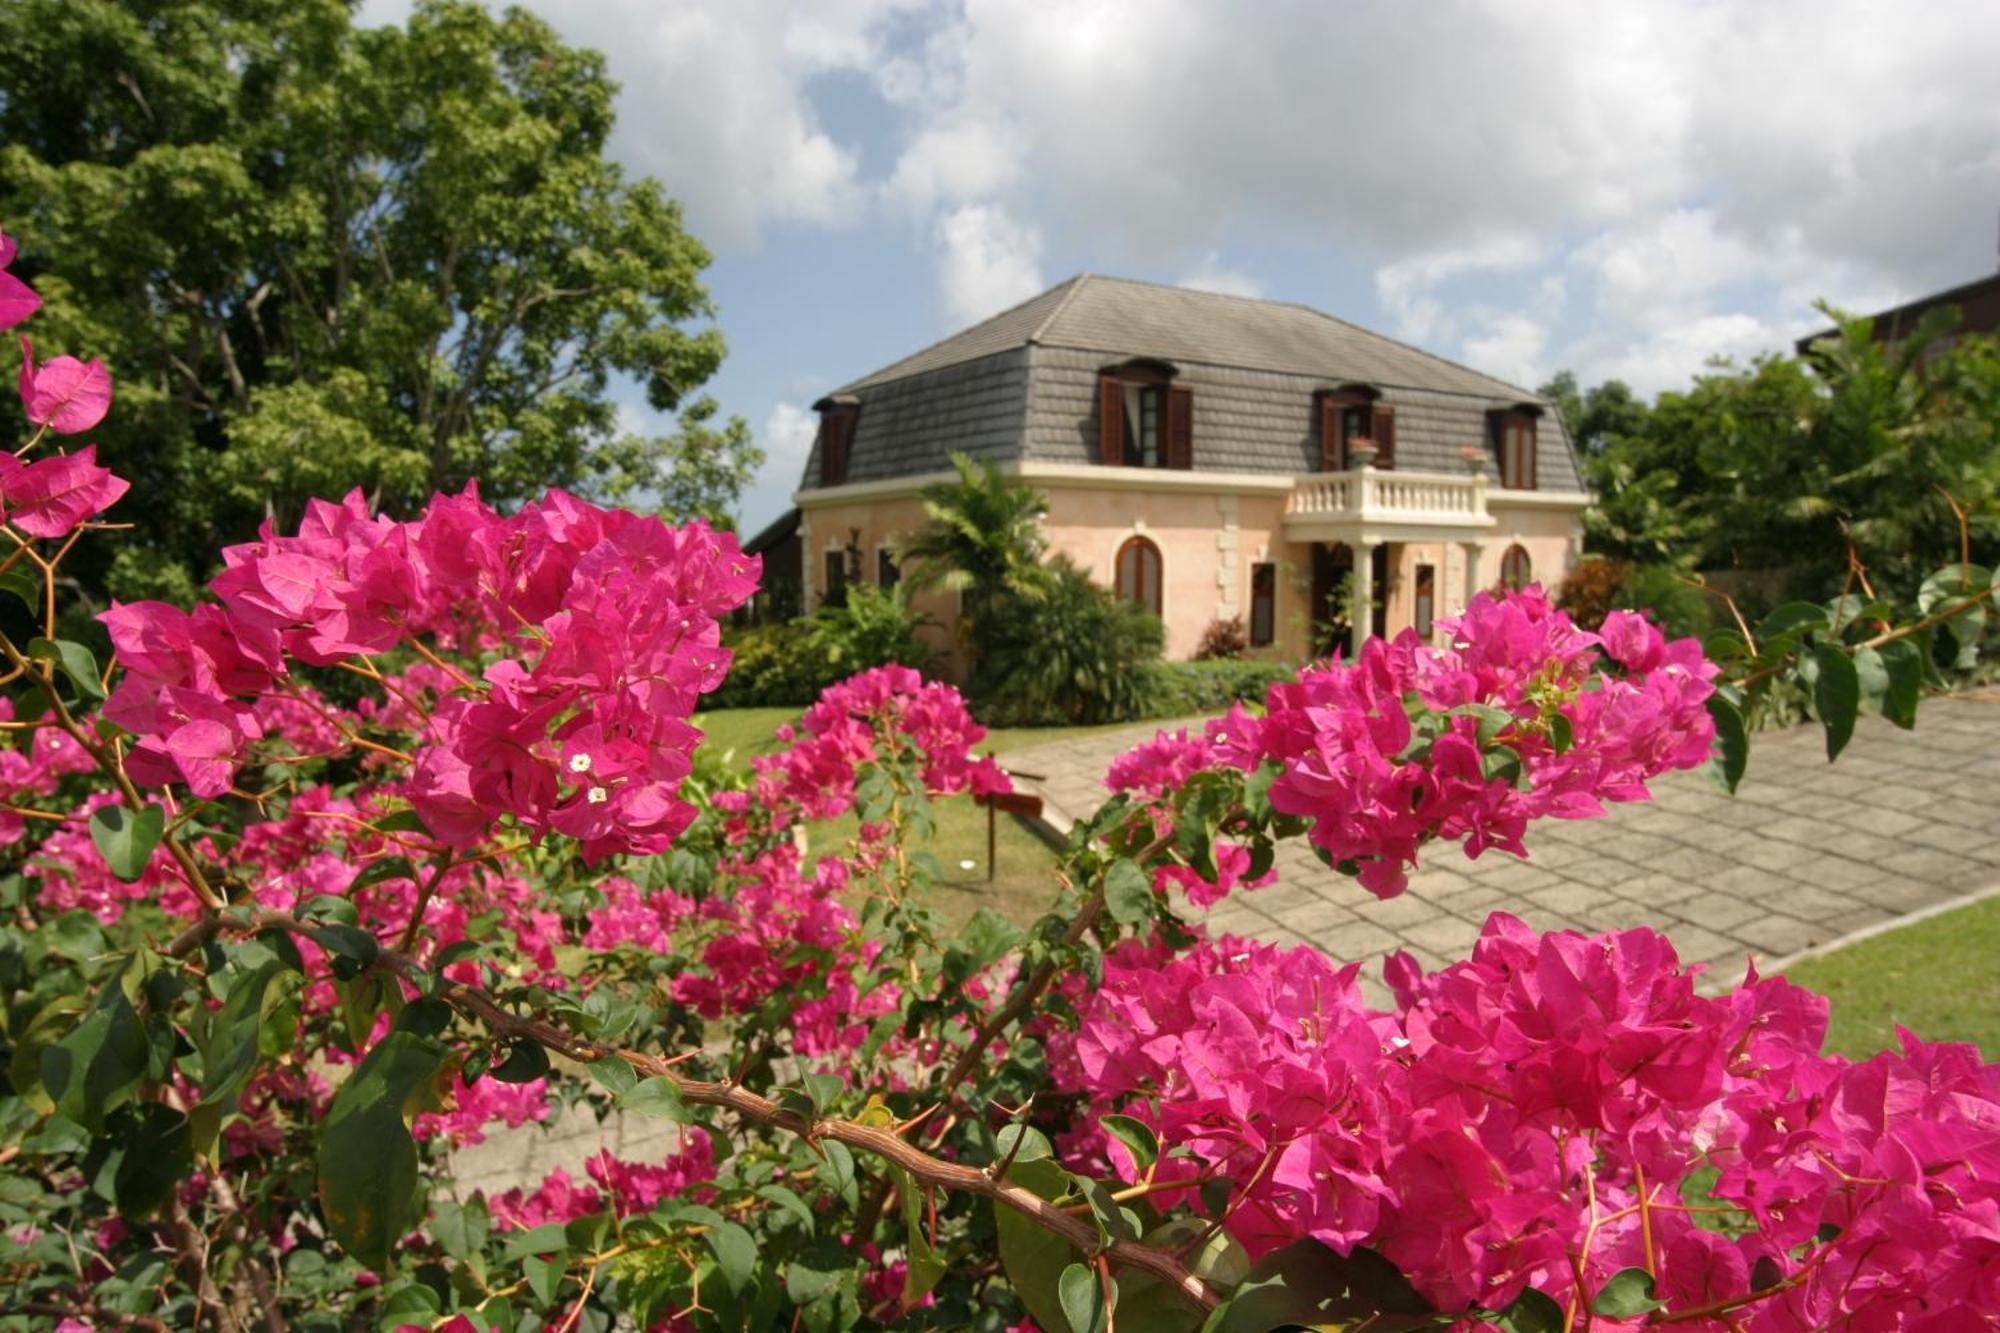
(1372, 495)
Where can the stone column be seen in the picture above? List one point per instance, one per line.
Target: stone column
(1472, 552)
(1362, 610)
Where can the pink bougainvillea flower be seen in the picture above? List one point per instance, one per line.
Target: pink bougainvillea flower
(50, 496)
(17, 300)
(7, 248)
(66, 395)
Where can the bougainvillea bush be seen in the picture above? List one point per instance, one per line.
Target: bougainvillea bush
(403, 838)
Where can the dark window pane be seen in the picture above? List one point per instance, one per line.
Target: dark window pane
(1263, 604)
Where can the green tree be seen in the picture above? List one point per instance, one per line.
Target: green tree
(318, 256)
(1779, 464)
(984, 537)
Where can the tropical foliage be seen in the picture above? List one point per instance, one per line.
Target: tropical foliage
(983, 538)
(1865, 464)
(1071, 654)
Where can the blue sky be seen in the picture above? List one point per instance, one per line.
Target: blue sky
(1621, 189)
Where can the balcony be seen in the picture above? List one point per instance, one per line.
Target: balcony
(1366, 504)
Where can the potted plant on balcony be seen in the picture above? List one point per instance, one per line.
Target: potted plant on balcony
(1474, 459)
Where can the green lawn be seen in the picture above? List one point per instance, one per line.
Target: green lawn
(1940, 978)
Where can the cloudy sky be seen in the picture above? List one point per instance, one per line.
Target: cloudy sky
(1625, 190)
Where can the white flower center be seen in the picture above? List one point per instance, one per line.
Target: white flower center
(579, 763)
(595, 796)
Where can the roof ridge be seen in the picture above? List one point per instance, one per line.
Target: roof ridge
(1422, 351)
(1075, 283)
(956, 334)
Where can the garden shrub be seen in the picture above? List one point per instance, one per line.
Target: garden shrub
(787, 664)
(1590, 591)
(1072, 655)
(1223, 638)
(1182, 689)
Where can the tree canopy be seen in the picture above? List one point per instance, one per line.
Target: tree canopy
(320, 256)
(1779, 464)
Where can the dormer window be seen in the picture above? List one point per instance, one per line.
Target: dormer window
(1144, 419)
(1513, 441)
(837, 416)
(1350, 415)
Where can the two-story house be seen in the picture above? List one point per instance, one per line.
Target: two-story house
(1211, 457)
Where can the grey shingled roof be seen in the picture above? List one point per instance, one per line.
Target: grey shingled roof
(1018, 385)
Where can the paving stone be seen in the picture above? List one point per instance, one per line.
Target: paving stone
(1777, 935)
(1660, 891)
(1810, 904)
(1449, 936)
(1719, 911)
(1316, 918)
(1572, 899)
(1394, 913)
(1696, 944)
(1359, 939)
(1901, 893)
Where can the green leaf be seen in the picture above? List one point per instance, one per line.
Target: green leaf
(461, 1229)
(526, 1061)
(1128, 893)
(72, 660)
(1732, 741)
(1790, 617)
(658, 1097)
(384, 868)
(839, 1173)
(789, 1203)
(735, 1253)
(545, 1275)
(158, 1155)
(1903, 664)
(616, 1075)
(1836, 696)
(367, 1159)
(1873, 675)
(1137, 1137)
(230, 1052)
(1306, 1283)
(1033, 1144)
(924, 1265)
(17, 580)
(1082, 1297)
(1628, 1294)
(126, 838)
(349, 942)
(1531, 1312)
(95, 1068)
(402, 821)
(1033, 1256)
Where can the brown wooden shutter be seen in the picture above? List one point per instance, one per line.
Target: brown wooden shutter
(1329, 433)
(1529, 451)
(1384, 430)
(1180, 427)
(836, 436)
(1110, 421)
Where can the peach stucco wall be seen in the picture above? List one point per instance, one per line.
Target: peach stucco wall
(1208, 542)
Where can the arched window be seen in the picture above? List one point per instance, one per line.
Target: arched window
(1139, 573)
(1516, 572)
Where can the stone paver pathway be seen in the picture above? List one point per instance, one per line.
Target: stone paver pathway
(1804, 853)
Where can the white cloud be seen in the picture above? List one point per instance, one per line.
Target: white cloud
(788, 437)
(1510, 348)
(1211, 275)
(989, 261)
(1408, 287)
